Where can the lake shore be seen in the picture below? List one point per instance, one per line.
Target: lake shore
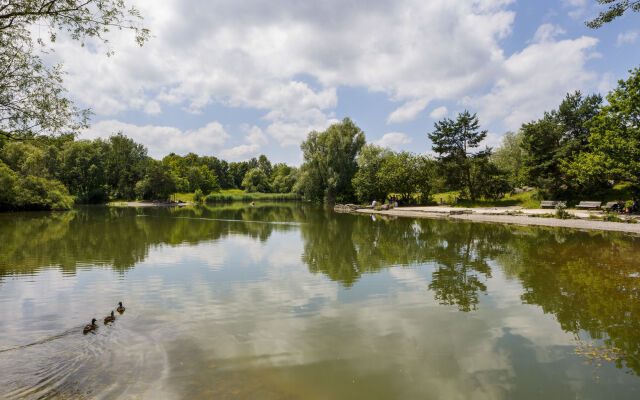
(147, 204)
(510, 216)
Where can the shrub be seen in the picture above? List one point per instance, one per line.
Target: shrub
(198, 196)
(561, 211)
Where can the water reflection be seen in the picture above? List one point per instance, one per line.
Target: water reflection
(288, 301)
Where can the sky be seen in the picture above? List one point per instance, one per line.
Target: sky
(236, 79)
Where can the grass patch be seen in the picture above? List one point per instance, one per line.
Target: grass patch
(524, 200)
(231, 195)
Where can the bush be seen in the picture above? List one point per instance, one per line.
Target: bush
(561, 211)
(35, 193)
(198, 196)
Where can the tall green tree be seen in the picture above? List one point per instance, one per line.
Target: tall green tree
(82, 170)
(615, 9)
(456, 142)
(366, 184)
(125, 164)
(283, 178)
(32, 97)
(158, 182)
(330, 162)
(557, 138)
(256, 181)
(509, 157)
(614, 141)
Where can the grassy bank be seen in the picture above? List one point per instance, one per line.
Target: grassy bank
(231, 195)
(621, 191)
(524, 200)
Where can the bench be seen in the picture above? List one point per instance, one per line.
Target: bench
(589, 204)
(553, 204)
(610, 205)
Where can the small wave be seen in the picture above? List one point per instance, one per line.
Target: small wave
(108, 364)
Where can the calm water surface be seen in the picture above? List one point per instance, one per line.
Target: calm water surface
(290, 302)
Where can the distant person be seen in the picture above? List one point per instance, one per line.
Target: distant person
(395, 201)
(374, 203)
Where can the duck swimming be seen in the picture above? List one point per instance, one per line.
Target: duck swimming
(91, 327)
(120, 308)
(109, 318)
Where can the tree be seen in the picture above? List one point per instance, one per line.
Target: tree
(125, 164)
(238, 170)
(454, 142)
(509, 157)
(616, 8)
(202, 178)
(32, 100)
(614, 141)
(264, 165)
(283, 178)
(555, 139)
(405, 173)
(158, 182)
(366, 184)
(330, 162)
(256, 181)
(7, 186)
(82, 170)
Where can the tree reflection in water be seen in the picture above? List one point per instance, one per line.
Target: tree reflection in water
(589, 281)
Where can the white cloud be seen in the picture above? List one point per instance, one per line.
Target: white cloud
(393, 140)
(536, 79)
(577, 7)
(547, 33)
(288, 60)
(254, 140)
(162, 140)
(629, 37)
(408, 111)
(439, 112)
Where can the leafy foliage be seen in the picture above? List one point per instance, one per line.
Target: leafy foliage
(616, 8)
(613, 150)
(32, 97)
(256, 181)
(454, 142)
(556, 139)
(330, 162)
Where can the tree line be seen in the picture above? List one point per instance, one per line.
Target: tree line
(579, 149)
(56, 172)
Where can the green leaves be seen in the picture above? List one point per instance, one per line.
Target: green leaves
(330, 162)
(614, 144)
(616, 8)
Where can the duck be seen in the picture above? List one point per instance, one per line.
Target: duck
(91, 327)
(109, 318)
(120, 308)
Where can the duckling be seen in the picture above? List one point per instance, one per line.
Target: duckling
(120, 308)
(91, 327)
(109, 318)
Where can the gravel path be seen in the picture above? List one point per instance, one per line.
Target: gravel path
(582, 224)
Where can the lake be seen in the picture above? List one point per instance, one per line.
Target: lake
(288, 301)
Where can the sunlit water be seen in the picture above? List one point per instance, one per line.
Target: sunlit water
(291, 302)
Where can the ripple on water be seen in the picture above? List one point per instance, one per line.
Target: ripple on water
(115, 361)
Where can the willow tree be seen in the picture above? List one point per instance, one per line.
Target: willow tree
(33, 99)
(615, 9)
(330, 162)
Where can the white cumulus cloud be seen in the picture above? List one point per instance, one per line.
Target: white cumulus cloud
(393, 140)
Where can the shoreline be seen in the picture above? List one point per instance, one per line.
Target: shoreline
(146, 204)
(495, 217)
